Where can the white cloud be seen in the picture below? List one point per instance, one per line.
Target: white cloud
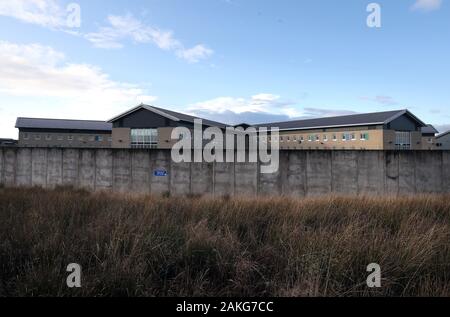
(121, 28)
(382, 100)
(323, 112)
(427, 5)
(195, 54)
(45, 13)
(267, 103)
(34, 73)
(49, 13)
(260, 108)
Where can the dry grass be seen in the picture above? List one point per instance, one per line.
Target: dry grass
(175, 246)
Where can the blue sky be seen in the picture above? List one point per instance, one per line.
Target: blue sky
(228, 60)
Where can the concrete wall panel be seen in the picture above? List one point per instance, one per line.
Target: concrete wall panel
(223, 179)
(103, 169)
(122, 170)
(140, 171)
(271, 184)
(371, 175)
(293, 171)
(246, 179)
(202, 178)
(161, 162)
(344, 172)
(23, 171)
(2, 181)
(71, 158)
(39, 166)
(429, 171)
(9, 167)
(407, 174)
(87, 169)
(180, 178)
(392, 173)
(54, 168)
(319, 174)
(446, 171)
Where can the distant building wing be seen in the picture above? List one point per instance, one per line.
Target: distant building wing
(343, 121)
(62, 124)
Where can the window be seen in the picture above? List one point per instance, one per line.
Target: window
(98, 138)
(402, 140)
(37, 137)
(318, 138)
(334, 137)
(346, 136)
(430, 140)
(364, 136)
(25, 136)
(310, 138)
(60, 137)
(325, 137)
(353, 136)
(302, 139)
(48, 137)
(70, 137)
(109, 139)
(144, 138)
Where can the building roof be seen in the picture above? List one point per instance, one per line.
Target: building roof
(364, 119)
(62, 124)
(172, 115)
(7, 142)
(429, 129)
(442, 134)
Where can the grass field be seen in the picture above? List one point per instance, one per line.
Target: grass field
(174, 246)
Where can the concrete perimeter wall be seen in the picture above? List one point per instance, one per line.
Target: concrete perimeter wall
(301, 173)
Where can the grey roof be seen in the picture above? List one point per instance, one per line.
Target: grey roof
(172, 115)
(63, 124)
(429, 129)
(342, 121)
(442, 134)
(8, 142)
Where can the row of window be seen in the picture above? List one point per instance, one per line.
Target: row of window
(321, 148)
(324, 137)
(49, 137)
(144, 138)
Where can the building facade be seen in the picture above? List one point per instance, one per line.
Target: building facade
(443, 141)
(34, 132)
(429, 138)
(392, 130)
(148, 127)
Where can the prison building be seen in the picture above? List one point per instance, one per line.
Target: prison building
(443, 141)
(8, 142)
(390, 130)
(149, 127)
(61, 133)
(429, 138)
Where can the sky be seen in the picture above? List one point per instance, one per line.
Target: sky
(232, 61)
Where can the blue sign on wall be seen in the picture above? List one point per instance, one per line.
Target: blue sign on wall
(160, 173)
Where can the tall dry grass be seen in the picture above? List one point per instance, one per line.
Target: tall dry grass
(178, 246)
